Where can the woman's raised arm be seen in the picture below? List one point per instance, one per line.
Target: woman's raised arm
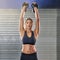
(21, 23)
(37, 25)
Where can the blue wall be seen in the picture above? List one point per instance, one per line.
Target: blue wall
(15, 4)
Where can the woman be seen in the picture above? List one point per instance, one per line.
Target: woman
(28, 36)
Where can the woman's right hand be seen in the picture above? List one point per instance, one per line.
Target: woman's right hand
(25, 6)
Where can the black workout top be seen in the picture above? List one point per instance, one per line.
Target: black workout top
(29, 40)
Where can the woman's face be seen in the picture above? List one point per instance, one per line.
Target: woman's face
(29, 24)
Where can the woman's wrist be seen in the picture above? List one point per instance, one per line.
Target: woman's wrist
(35, 9)
(24, 9)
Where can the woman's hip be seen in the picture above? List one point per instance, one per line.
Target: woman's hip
(32, 56)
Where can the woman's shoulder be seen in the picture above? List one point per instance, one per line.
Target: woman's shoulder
(22, 35)
(36, 37)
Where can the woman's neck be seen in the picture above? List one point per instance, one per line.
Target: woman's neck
(28, 31)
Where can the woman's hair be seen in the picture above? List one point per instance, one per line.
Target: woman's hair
(29, 19)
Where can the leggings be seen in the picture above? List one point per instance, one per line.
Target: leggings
(32, 56)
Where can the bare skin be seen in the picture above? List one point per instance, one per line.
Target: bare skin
(27, 48)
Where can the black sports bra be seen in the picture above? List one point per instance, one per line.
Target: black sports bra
(29, 40)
